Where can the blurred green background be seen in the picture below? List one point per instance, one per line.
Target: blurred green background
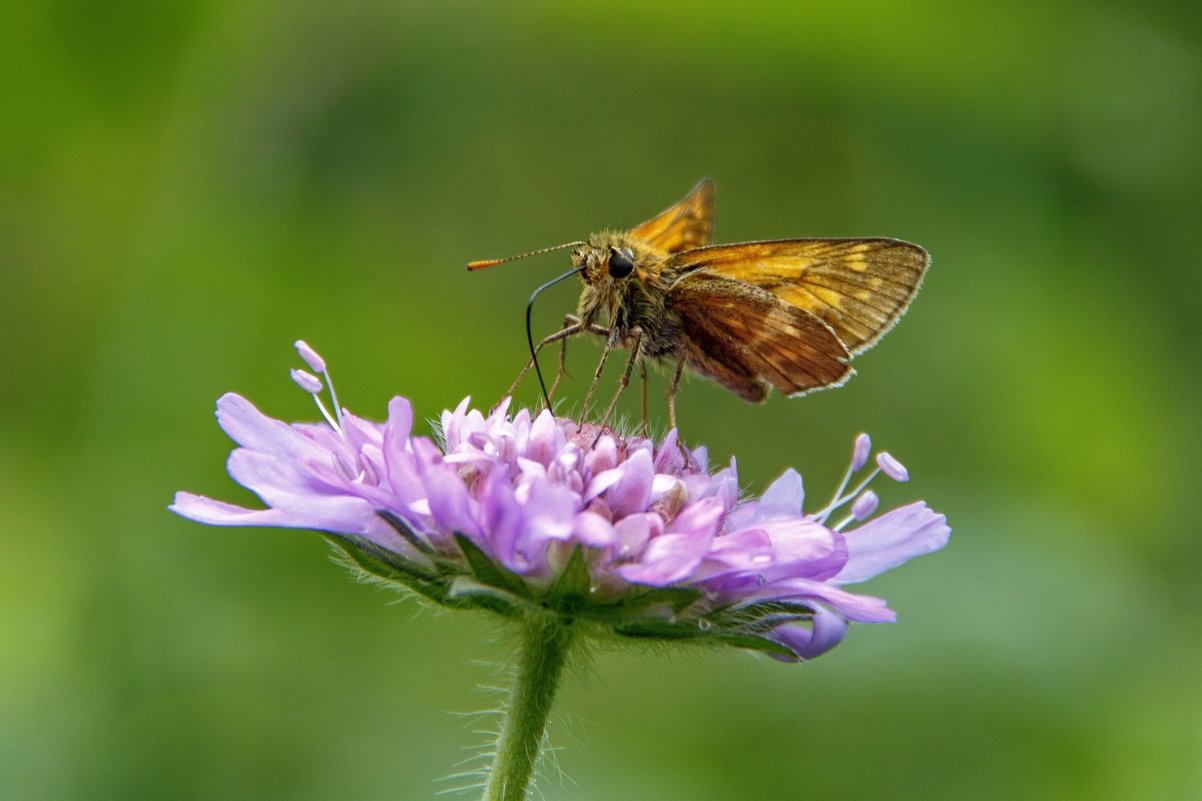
(187, 187)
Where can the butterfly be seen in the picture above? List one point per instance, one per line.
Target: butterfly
(786, 314)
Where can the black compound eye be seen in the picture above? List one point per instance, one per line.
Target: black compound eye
(620, 263)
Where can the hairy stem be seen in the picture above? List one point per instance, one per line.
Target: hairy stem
(544, 645)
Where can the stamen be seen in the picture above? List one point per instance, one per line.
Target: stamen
(321, 407)
(861, 510)
(334, 400)
(343, 466)
(307, 381)
(839, 500)
(891, 467)
(859, 457)
(367, 472)
(860, 452)
(866, 500)
(865, 505)
(311, 357)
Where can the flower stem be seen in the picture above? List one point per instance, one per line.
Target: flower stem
(544, 646)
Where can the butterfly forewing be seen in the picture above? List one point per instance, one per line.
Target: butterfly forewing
(859, 287)
(744, 337)
(686, 225)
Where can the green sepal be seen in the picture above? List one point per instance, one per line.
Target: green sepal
(643, 608)
(675, 598)
(750, 642)
(385, 567)
(489, 572)
(466, 592)
(759, 616)
(769, 622)
(659, 629)
(379, 561)
(571, 587)
(656, 629)
(408, 534)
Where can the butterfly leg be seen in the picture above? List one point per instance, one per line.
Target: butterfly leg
(569, 321)
(588, 397)
(672, 394)
(636, 336)
(643, 375)
(688, 458)
(563, 366)
(572, 326)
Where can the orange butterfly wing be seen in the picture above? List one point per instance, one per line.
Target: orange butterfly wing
(687, 225)
(858, 287)
(744, 338)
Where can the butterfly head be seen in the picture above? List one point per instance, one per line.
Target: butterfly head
(609, 260)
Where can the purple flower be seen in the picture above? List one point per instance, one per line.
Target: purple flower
(533, 515)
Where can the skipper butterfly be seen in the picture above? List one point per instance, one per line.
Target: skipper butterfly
(788, 313)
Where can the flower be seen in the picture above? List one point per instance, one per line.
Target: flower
(531, 514)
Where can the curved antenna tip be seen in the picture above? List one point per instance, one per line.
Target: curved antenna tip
(480, 265)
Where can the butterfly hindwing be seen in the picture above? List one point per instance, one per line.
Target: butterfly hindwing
(745, 338)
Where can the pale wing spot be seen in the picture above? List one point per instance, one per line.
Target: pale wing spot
(827, 296)
(855, 259)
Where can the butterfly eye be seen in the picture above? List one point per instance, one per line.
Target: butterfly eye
(620, 264)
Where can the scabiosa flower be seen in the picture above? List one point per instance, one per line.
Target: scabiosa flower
(535, 517)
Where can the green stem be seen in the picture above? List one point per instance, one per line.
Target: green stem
(544, 646)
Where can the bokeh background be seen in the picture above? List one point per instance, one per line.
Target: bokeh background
(188, 187)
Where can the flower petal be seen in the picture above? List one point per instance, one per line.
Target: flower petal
(250, 428)
(344, 515)
(890, 540)
(268, 476)
(860, 608)
(802, 546)
(632, 491)
(452, 508)
(783, 498)
(632, 533)
(542, 440)
(669, 559)
(593, 530)
(672, 556)
(826, 631)
(550, 510)
(503, 518)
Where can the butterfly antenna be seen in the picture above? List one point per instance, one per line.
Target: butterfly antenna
(480, 265)
(529, 334)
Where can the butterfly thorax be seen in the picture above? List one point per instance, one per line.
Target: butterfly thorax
(625, 288)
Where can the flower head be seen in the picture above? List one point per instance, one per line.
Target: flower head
(531, 514)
